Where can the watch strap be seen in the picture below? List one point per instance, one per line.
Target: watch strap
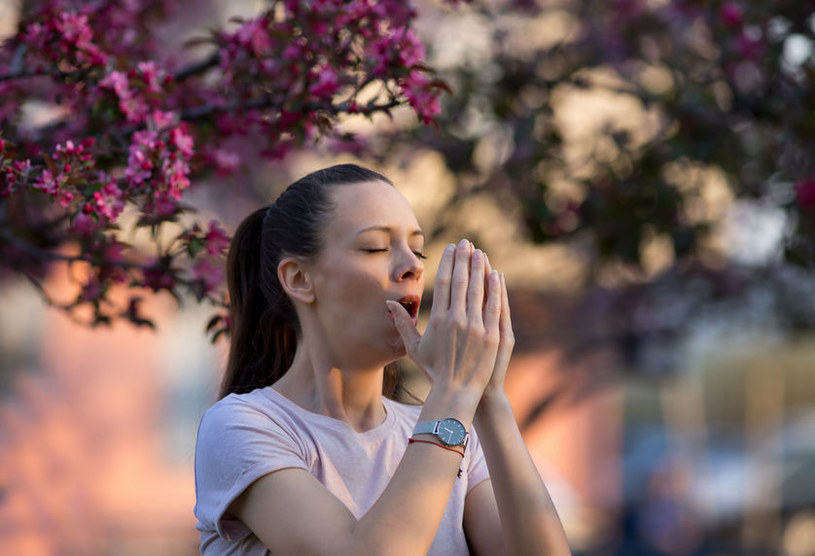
(426, 427)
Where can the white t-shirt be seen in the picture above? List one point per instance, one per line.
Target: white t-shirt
(243, 437)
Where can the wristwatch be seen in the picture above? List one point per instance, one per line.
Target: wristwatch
(450, 431)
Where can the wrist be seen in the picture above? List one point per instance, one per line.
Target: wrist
(441, 404)
(492, 405)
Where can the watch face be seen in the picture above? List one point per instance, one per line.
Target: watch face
(451, 432)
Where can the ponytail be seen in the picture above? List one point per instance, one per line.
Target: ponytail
(264, 322)
(263, 337)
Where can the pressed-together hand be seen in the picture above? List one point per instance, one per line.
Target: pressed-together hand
(506, 344)
(459, 347)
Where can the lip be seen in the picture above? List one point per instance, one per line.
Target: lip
(411, 303)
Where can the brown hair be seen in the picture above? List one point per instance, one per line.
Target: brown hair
(264, 323)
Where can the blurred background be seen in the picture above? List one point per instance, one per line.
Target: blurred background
(643, 171)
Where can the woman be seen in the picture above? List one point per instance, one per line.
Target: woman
(303, 454)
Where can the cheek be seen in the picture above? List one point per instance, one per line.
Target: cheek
(353, 292)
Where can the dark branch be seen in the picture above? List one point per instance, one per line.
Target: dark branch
(197, 67)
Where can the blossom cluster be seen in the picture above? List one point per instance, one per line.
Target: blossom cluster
(131, 128)
(309, 62)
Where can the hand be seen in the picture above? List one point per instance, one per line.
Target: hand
(506, 342)
(459, 347)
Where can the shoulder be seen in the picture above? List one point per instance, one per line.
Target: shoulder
(252, 405)
(253, 420)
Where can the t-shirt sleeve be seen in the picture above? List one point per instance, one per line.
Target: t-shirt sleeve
(237, 444)
(477, 466)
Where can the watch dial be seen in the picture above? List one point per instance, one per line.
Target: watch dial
(452, 432)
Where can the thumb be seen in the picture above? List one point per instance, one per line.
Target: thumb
(404, 325)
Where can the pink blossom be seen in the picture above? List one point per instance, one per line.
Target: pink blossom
(226, 162)
(116, 81)
(749, 47)
(163, 205)
(157, 278)
(292, 52)
(131, 101)
(64, 198)
(34, 34)
(254, 34)
(151, 75)
(47, 183)
(216, 239)
(805, 192)
(7, 181)
(176, 172)
(22, 166)
(109, 200)
(139, 163)
(84, 224)
(398, 12)
(327, 83)
(731, 14)
(182, 140)
(74, 28)
(92, 289)
(410, 48)
(211, 275)
(421, 96)
(113, 251)
(135, 108)
(162, 120)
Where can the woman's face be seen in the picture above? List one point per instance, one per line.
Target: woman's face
(372, 252)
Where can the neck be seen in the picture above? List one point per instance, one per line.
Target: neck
(349, 393)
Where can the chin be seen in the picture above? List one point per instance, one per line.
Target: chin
(398, 350)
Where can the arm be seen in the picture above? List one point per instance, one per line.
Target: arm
(292, 513)
(528, 520)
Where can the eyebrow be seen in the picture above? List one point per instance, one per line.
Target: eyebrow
(388, 229)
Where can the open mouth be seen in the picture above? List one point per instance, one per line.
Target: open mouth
(411, 305)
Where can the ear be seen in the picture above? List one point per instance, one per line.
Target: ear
(295, 280)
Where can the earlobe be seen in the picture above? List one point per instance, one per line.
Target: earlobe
(295, 280)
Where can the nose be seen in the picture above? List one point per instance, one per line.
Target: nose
(409, 267)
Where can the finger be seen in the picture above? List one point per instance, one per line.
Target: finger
(492, 307)
(405, 327)
(506, 317)
(441, 287)
(460, 278)
(475, 290)
(507, 338)
(487, 271)
(507, 335)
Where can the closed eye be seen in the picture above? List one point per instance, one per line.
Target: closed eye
(418, 254)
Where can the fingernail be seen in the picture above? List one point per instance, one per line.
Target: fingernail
(463, 243)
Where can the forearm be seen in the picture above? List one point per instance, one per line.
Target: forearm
(405, 518)
(529, 521)
(281, 508)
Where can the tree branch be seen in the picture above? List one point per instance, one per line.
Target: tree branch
(197, 67)
(51, 255)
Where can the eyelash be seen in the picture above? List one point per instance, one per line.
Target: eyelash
(418, 254)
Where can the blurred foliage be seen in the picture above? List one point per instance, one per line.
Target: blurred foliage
(611, 125)
(724, 86)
